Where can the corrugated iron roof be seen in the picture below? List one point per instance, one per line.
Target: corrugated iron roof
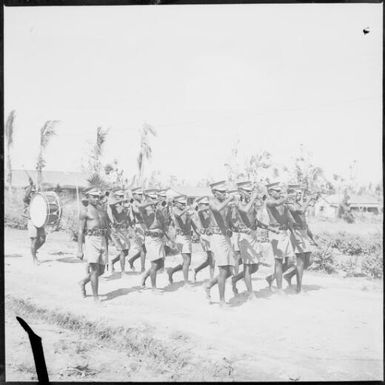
(50, 178)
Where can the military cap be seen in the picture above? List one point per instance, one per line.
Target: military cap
(137, 190)
(293, 187)
(119, 193)
(274, 186)
(181, 199)
(219, 186)
(163, 193)
(203, 201)
(94, 191)
(246, 186)
(152, 193)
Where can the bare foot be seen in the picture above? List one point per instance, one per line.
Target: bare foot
(288, 280)
(169, 273)
(195, 275)
(234, 286)
(96, 299)
(269, 280)
(207, 291)
(251, 296)
(280, 292)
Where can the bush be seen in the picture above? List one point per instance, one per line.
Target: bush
(15, 222)
(323, 260)
(372, 265)
(353, 244)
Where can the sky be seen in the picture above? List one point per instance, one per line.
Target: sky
(271, 76)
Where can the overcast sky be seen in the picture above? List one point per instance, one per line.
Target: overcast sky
(272, 76)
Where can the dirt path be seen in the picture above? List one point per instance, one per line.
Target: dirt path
(333, 331)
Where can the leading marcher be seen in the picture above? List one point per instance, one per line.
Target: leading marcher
(282, 221)
(302, 238)
(155, 230)
(94, 230)
(220, 240)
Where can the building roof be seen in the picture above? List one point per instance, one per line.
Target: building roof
(50, 178)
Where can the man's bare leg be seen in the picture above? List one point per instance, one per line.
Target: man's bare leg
(85, 280)
(172, 270)
(207, 262)
(122, 259)
(235, 279)
(209, 285)
(212, 266)
(145, 276)
(40, 242)
(278, 272)
(308, 260)
(299, 270)
(238, 261)
(186, 265)
(249, 270)
(133, 259)
(289, 274)
(270, 278)
(114, 260)
(94, 277)
(224, 273)
(33, 251)
(155, 266)
(142, 260)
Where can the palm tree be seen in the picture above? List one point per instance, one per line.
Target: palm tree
(9, 131)
(46, 132)
(95, 166)
(145, 152)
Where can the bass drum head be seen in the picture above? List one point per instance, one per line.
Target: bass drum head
(38, 210)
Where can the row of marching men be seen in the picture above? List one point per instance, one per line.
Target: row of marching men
(228, 225)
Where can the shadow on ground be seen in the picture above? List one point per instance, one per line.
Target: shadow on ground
(242, 298)
(177, 285)
(68, 260)
(292, 289)
(119, 292)
(118, 275)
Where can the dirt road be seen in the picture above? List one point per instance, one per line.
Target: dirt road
(333, 331)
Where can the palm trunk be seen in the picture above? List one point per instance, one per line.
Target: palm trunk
(141, 173)
(9, 170)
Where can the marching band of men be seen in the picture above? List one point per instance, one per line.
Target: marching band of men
(228, 226)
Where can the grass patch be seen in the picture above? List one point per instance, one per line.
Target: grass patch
(174, 357)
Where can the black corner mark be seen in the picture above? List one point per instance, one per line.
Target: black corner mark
(37, 350)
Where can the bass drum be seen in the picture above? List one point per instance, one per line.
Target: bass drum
(45, 209)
